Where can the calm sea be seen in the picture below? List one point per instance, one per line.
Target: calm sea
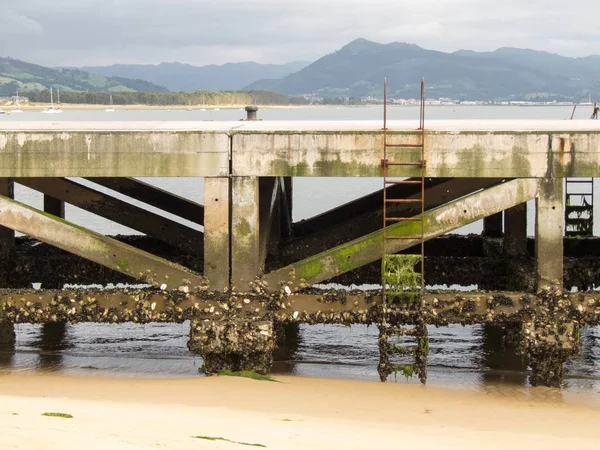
(469, 357)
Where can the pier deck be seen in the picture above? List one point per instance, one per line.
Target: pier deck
(252, 267)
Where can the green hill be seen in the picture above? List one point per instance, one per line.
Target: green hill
(358, 69)
(26, 77)
(184, 77)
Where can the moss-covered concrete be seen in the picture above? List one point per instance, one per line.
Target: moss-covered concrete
(369, 248)
(113, 153)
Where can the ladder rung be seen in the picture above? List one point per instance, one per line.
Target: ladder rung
(403, 182)
(403, 200)
(403, 219)
(419, 163)
(402, 331)
(402, 237)
(580, 193)
(580, 181)
(404, 145)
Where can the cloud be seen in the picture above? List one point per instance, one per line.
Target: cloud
(87, 32)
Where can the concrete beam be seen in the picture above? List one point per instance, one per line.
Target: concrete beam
(216, 232)
(96, 247)
(369, 248)
(154, 196)
(358, 153)
(549, 224)
(39, 152)
(351, 148)
(245, 232)
(118, 211)
(150, 305)
(328, 229)
(366, 203)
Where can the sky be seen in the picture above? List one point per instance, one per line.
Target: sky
(199, 32)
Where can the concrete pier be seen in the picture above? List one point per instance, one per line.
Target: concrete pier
(253, 271)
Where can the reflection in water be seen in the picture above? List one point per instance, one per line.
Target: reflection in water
(7, 353)
(461, 356)
(51, 343)
(288, 341)
(502, 360)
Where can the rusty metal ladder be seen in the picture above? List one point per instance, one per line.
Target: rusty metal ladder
(579, 208)
(400, 282)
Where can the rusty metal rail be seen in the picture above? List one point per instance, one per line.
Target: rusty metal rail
(400, 282)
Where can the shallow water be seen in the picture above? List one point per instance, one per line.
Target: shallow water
(460, 356)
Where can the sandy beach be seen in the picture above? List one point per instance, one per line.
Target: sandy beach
(293, 413)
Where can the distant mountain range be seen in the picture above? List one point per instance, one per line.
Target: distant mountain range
(15, 74)
(358, 69)
(185, 77)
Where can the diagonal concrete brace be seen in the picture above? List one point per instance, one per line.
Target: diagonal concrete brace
(369, 248)
(96, 247)
(111, 208)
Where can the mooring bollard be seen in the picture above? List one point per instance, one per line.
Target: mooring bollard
(251, 110)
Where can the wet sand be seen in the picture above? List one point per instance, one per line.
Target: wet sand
(295, 413)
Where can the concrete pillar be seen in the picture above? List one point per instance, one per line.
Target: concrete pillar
(7, 333)
(286, 209)
(492, 225)
(54, 206)
(549, 234)
(7, 236)
(216, 232)
(245, 234)
(550, 336)
(52, 341)
(515, 231)
(269, 208)
(518, 264)
(287, 340)
(233, 344)
(7, 243)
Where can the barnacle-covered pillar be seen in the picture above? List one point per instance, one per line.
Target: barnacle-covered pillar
(550, 335)
(7, 243)
(233, 344)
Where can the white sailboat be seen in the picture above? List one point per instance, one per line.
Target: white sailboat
(51, 109)
(18, 110)
(111, 109)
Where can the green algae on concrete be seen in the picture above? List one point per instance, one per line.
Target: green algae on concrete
(400, 279)
(369, 248)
